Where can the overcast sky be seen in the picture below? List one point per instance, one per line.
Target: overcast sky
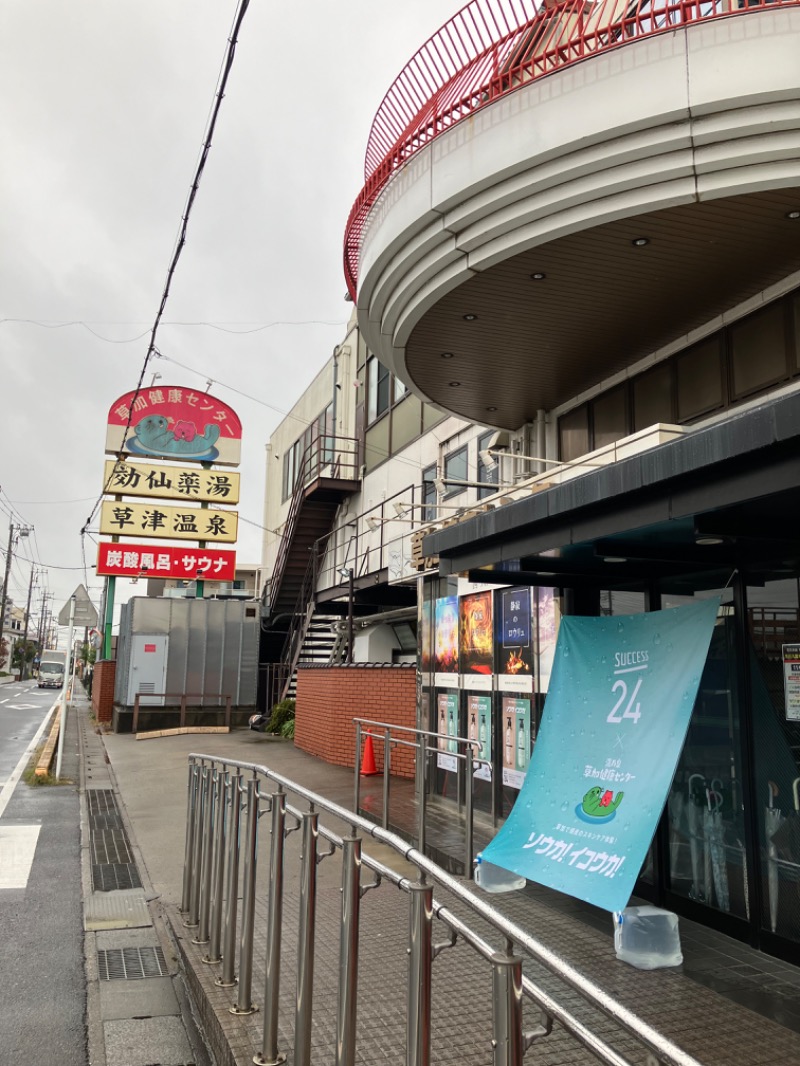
(104, 107)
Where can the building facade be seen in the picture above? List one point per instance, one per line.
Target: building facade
(580, 230)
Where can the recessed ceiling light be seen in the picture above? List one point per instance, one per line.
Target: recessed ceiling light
(454, 384)
(614, 559)
(470, 318)
(640, 242)
(709, 540)
(447, 355)
(793, 214)
(491, 408)
(538, 276)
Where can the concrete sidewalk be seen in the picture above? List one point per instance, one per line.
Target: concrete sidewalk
(753, 1017)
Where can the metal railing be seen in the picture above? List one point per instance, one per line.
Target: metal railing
(491, 48)
(325, 457)
(426, 746)
(182, 699)
(226, 800)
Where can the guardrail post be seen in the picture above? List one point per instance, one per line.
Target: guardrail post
(218, 867)
(305, 940)
(228, 977)
(197, 846)
(423, 794)
(244, 1000)
(348, 952)
(469, 816)
(188, 857)
(508, 1043)
(209, 816)
(420, 959)
(357, 769)
(387, 760)
(270, 1056)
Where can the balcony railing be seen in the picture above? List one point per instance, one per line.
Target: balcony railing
(491, 48)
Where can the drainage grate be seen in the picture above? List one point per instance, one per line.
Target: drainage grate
(131, 964)
(101, 801)
(105, 821)
(110, 846)
(108, 877)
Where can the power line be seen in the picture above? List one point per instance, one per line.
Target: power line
(227, 65)
(256, 327)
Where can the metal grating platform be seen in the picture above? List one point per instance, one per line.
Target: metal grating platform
(110, 846)
(101, 801)
(116, 910)
(131, 964)
(108, 877)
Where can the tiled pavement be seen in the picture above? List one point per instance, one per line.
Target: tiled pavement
(718, 1029)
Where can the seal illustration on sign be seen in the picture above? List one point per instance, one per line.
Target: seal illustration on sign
(599, 805)
(153, 436)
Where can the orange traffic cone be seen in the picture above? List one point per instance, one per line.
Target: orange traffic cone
(368, 767)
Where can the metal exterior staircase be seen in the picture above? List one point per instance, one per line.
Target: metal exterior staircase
(328, 474)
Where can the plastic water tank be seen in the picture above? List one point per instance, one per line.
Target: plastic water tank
(647, 937)
(493, 878)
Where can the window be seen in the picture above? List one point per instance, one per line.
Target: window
(652, 398)
(378, 381)
(487, 473)
(610, 417)
(573, 433)
(758, 350)
(428, 494)
(700, 380)
(455, 467)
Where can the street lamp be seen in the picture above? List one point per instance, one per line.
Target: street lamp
(347, 571)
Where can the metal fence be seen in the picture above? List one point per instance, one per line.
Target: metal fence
(491, 48)
(226, 800)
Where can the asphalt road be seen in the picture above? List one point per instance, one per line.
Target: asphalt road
(42, 978)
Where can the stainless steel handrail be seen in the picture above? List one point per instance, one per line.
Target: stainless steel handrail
(424, 750)
(510, 1043)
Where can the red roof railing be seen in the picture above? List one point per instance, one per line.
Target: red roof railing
(491, 48)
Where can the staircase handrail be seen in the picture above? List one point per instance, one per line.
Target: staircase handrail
(343, 463)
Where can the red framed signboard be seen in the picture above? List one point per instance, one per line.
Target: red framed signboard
(172, 422)
(167, 560)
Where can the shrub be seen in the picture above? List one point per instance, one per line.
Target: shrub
(282, 713)
(288, 729)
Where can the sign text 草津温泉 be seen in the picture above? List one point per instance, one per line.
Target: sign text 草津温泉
(129, 519)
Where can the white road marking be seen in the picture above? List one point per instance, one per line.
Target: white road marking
(5, 700)
(17, 848)
(11, 784)
(23, 706)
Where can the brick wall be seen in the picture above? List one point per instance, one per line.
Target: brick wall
(329, 697)
(103, 689)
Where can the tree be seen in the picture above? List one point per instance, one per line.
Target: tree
(29, 649)
(3, 652)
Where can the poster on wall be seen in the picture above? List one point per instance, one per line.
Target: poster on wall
(516, 722)
(515, 641)
(479, 728)
(476, 640)
(446, 642)
(791, 681)
(546, 614)
(425, 656)
(615, 720)
(447, 726)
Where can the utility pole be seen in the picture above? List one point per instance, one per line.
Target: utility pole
(23, 666)
(21, 531)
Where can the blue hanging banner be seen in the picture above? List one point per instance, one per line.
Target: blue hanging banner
(617, 711)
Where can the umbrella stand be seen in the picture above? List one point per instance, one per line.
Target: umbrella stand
(714, 832)
(772, 822)
(698, 892)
